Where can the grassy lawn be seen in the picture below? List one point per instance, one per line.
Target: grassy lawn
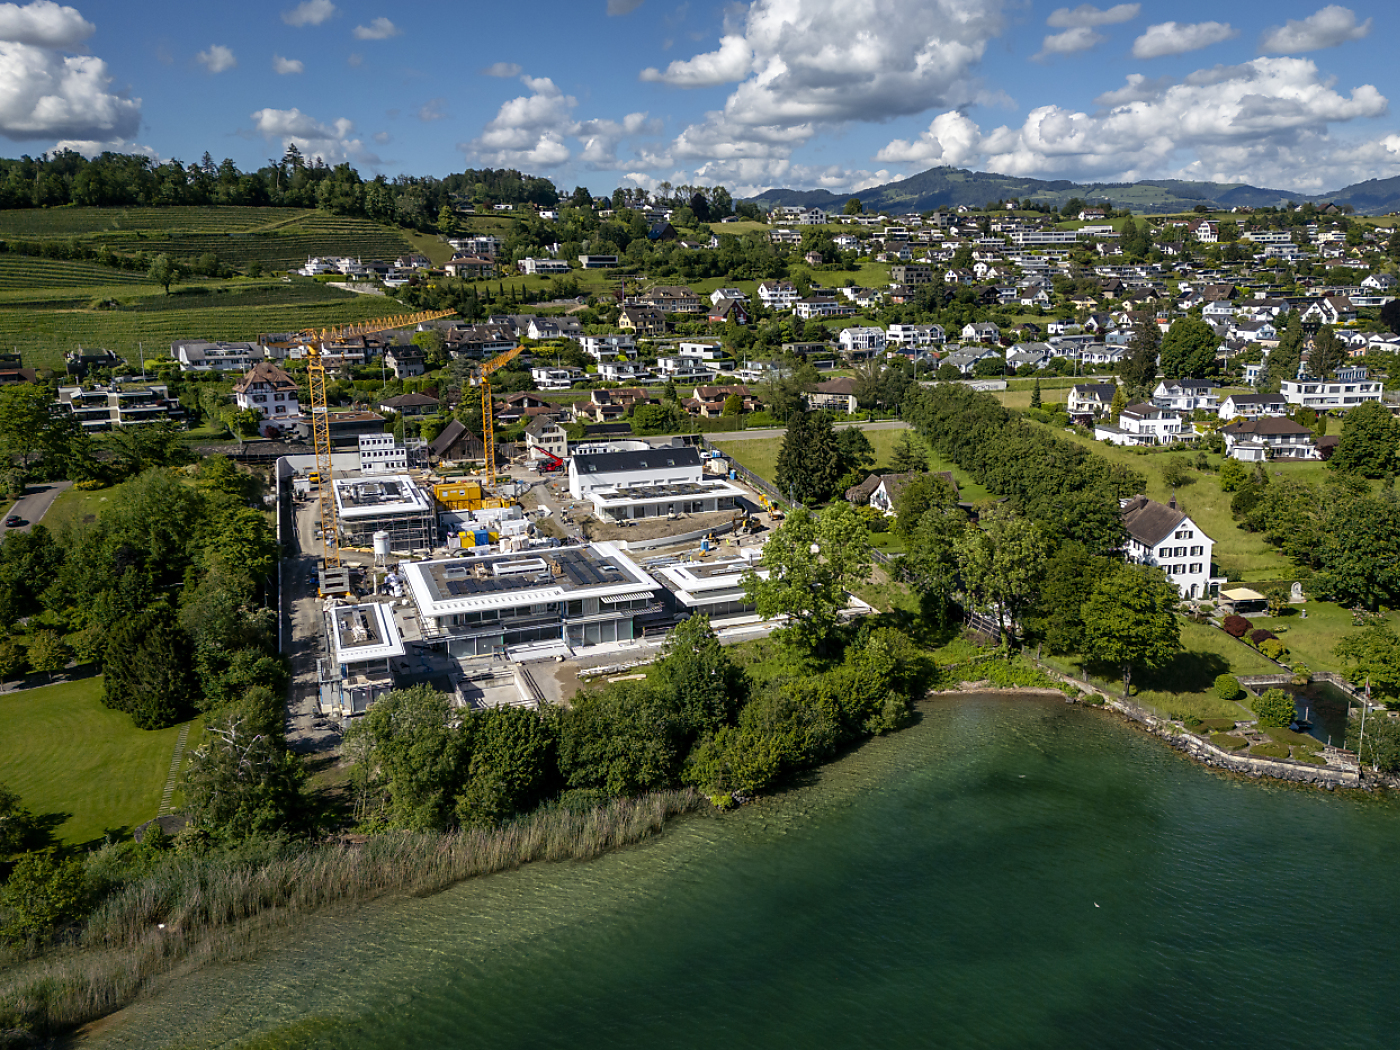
(761, 457)
(83, 769)
(1312, 640)
(75, 506)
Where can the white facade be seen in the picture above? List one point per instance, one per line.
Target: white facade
(538, 266)
(1160, 535)
(777, 295)
(862, 339)
(379, 455)
(643, 468)
(1143, 425)
(916, 335)
(1352, 387)
(1185, 395)
(557, 378)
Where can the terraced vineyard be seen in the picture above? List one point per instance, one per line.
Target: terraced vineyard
(278, 238)
(43, 324)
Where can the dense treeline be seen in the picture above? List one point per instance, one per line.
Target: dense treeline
(125, 180)
(1067, 490)
(698, 719)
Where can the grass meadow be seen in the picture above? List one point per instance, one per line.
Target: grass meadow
(84, 770)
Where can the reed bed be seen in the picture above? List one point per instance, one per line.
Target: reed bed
(193, 910)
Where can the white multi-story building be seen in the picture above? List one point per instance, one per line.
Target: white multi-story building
(916, 335)
(543, 266)
(637, 469)
(557, 378)
(380, 455)
(862, 339)
(269, 391)
(1352, 387)
(1186, 395)
(1160, 534)
(777, 295)
(1143, 424)
(609, 347)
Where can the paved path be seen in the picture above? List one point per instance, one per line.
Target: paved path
(777, 432)
(35, 503)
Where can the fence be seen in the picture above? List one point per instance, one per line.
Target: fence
(753, 480)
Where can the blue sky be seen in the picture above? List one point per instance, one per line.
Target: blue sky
(834, 93)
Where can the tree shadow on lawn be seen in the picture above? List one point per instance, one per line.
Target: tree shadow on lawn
(41, 833)
(1184, 673)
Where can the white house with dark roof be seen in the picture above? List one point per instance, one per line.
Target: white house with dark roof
(642, 468)
(269, 391)
(1269, 437)
(1160, 534)
(1252, 406)
(1186, 395)
(1143, 424)
(1091, 399)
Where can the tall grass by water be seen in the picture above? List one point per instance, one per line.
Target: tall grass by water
(196, 910)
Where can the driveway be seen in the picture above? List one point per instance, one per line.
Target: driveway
(34, 504)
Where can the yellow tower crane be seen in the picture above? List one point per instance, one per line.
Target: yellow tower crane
(314, 341)
(488, 422)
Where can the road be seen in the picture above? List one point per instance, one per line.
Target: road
(35, 503)
(777, 432)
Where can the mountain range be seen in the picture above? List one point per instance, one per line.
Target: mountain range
(953, 186)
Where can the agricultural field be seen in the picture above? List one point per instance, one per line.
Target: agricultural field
(44, 323)
(278, 238)
(83, 769)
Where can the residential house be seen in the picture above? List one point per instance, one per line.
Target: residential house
(597, 262)
(981, 332)
(820, 306)
(541, 328)
(684, 369)
(709, 400)
(550, 377)
(836, 395)
(732, 294)
(726, 310)
(623, 372)
(671, 299)
(80, 362)
(405, 361)
(911, 275)
(525, 404)
(642, 468)
(915, 335)
(965, 358)
(269, 391)
(1142, 424)
(544, 437)
(862, 339)
(1090, 401)
(1162, 535)
(412, 405)
(1252, 406)
(201, 355)
(1186, 395)
(474, 267)
(798, 215)
(1333, 310)
(1270, 437)
(1352, 387)
(609, 347)
(127, 401)
(777, 295)
(644, 320)
(543, 266)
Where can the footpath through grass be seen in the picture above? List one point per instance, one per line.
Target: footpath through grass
(81, 768)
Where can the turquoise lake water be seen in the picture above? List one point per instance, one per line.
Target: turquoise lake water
(1009, 873)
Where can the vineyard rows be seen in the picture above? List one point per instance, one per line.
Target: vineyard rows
(77, 222)
(18, 271)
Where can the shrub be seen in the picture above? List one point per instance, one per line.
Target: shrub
(1259, 635)
(1274, 707)
(1273, 649)
(90, 485)
(1228, 687)
(1235, 626)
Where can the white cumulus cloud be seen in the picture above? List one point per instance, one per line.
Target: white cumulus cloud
(1087, 15)
(1071, 41)
(284, 66)
(331, 142)
(1176, 38)
(502, 69)
(309, 13)
(380, 29)
(1328, 27)
(727, 65)
(433, 109)
(44, 24)
(599, 139)
(1267, 122)
(529, 131)
(217, 59)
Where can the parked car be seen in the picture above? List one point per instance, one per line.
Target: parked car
(13, 520)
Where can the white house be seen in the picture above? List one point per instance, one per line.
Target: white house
(1277, 437)
(777, 295)
(1352, 387)
(1186, 395)
(1091, 399)
(981, 332)
(380, 455)
(837, 395)
(609, 347)
(1160, 534)
(1252, 406)
(550, 378)
(638, 469)
(269, 391)
(1142, 424)
(862, 339)
(732, 294)
(916, 335)
(543, 266)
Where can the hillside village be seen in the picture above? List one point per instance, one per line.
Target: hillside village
(576, 451)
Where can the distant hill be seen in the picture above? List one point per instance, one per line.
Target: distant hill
(950, 187)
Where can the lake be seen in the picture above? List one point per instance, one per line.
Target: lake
(1008, 873)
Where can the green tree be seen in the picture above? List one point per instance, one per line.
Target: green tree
(15, 822)
(14, 659)
(434, 346)
(512, 765)
(1275, 709)
(146, 672)
(1228, 687)
(1188, 349)
(42, 895)
(908, 455)
(406, 753)
(1372, 656)
(811, 560)
(1035, 394)
(1057, 617)
(242, 782)
(1232, 475)
(1284, 360)
(447, 223)
(930, 562)
(1120, 402)
(1139, 367)
(917, 497)
(733, 406)
(165, 271)
(1001, 563)
(47, 653)
(854, 449)
(1370, 442)
(948, 372)
(853, 207)
(695, 671)
(1130, 620)
(1327, 353)
(1354, 551)
(624, 739)
(809, 464)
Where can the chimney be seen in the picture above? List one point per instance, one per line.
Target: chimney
(1172, 502)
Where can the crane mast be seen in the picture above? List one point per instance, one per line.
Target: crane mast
(488, 421)
(313, 340)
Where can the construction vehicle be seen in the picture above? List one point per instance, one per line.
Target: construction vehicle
(550, 464)
(774, 511)
(314, 341)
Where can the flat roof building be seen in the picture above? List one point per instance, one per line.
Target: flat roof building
(668, 465)
(532, 603)
(663, 501)
(392, 504)
(715, 588)
(364, 640)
